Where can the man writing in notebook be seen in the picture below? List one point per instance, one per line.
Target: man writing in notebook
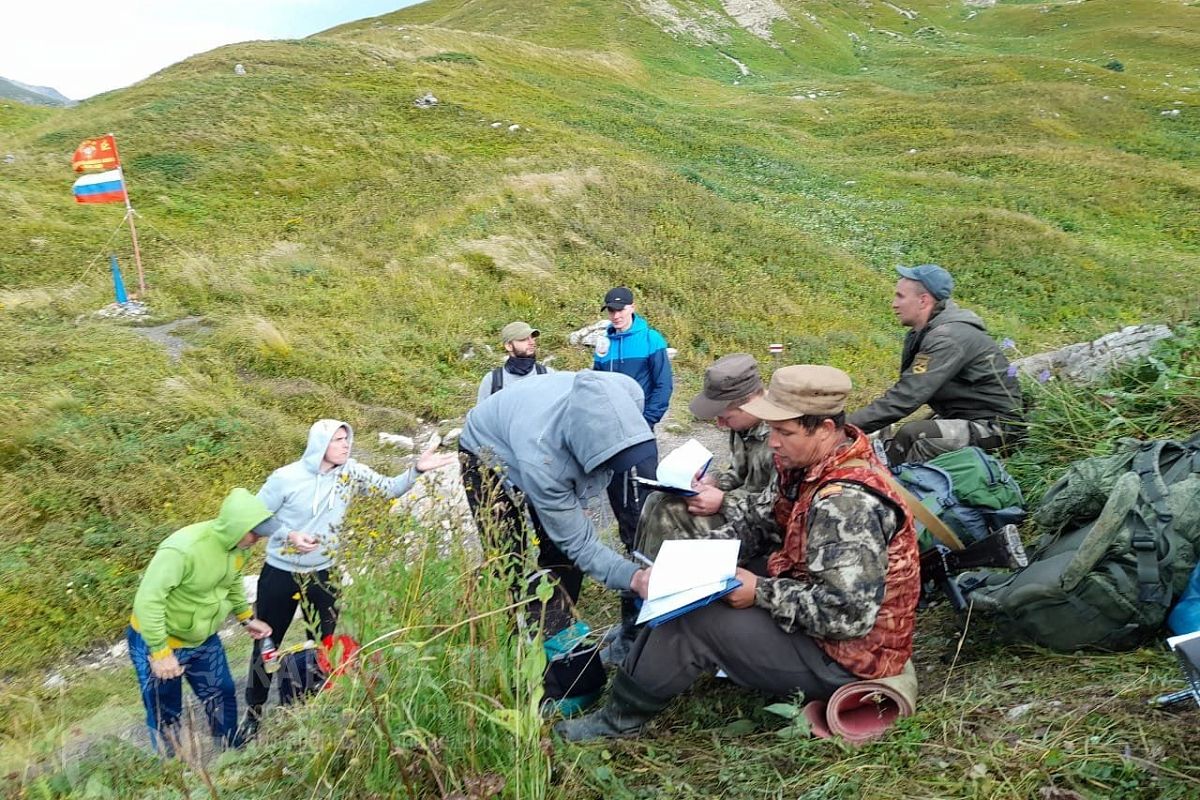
(836, 600)
(723, 495)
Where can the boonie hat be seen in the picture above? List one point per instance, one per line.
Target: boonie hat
(515, 331)
(617, 298)
(801, 390)
(729, 378)
(938, 281)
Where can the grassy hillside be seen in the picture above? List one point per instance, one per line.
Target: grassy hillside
(345, 248)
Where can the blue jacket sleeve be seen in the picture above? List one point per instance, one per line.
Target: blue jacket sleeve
(658, 398)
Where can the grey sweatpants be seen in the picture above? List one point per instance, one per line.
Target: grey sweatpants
(746, 643)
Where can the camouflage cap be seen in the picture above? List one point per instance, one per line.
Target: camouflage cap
(728, 379)
(515, 331)
(801, 390)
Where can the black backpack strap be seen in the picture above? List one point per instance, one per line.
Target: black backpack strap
(539, 368)
(1150, 526)
(497, 380)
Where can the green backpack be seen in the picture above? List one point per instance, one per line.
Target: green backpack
(1120, 537)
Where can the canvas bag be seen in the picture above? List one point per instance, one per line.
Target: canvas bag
(1119, 542)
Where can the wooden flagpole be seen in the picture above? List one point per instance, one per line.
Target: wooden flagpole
(137, 252)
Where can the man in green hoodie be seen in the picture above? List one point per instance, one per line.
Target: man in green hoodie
(192, 584)
(949, 363)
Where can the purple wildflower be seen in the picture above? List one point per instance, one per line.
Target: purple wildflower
(1043, 376)
(1008, 344)
(1012, 370)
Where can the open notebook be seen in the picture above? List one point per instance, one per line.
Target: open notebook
(688, 574)
(675, 472)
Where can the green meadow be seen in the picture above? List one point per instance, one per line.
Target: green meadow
(346, 252)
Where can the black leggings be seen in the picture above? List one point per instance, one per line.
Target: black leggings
(276, 605)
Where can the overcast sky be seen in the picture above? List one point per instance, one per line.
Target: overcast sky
(83, 47)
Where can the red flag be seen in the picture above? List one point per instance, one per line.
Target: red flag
(98, 153)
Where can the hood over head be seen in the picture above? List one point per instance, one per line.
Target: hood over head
(603, 416)
(319, 436)
(240, 512)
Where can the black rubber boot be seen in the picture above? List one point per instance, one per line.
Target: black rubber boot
(627, 709)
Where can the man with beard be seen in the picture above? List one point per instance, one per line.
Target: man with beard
(520, 342)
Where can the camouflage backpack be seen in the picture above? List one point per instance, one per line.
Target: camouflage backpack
(1120, 537)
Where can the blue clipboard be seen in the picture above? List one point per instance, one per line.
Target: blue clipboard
(730, 585)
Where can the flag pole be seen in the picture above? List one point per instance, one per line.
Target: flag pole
(137, 252)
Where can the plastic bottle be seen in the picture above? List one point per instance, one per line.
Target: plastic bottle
(270, 655)
(1185, 617)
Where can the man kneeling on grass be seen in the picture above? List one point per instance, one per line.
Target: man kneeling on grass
(835, 599)
(192, 584)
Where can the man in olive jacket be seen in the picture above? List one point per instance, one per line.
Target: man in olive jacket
(950, 363)
(193, 583)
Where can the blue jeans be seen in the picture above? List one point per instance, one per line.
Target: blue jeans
(207, 672)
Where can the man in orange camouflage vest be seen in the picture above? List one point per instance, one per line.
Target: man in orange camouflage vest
(830, 580)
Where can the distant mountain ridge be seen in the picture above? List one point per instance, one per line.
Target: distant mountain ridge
(37, 95)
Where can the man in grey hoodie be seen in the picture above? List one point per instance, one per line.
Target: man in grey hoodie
(542, 447)
(950, 362)
(308, 500)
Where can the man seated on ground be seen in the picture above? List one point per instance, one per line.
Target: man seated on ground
(836, 599)
(520, 341)
(729, 383)
(950, 363)
(189, 588)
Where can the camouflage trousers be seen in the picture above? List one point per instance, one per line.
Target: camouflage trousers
(923, 439)
(665, 516)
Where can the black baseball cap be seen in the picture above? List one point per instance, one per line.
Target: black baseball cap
(617, 298)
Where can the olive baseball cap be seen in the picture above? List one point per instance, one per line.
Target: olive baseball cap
(801, 390)
(938, 281)
(515, 331)
(728, 379)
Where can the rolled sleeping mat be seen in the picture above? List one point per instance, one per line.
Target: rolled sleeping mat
(864, 710)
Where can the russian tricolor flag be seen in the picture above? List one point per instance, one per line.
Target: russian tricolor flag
(100, 187)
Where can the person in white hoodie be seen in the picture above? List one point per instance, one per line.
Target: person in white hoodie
(308, 500)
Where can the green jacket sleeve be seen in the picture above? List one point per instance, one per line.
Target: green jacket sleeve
(237, 597)
(164, 573)
(939, 360)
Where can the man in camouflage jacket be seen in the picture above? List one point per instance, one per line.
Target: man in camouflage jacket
(836, 599)
(950, 363)
(722, 496)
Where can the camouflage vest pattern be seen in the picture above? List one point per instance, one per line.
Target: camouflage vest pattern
(885, 649)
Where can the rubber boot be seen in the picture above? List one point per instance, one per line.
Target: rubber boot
(628, 708)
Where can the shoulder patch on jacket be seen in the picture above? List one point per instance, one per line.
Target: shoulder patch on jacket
(829, 490)
(920, 364)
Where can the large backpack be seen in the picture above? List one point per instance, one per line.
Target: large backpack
(966, 489)
(1119, 541)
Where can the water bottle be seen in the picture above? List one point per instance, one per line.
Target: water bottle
(270, 655)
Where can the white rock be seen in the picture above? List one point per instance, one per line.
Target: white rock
(513, 128)
(396, 440)
(588, 336)
(1016, 712)
(497, 124)
(55, 681)
(1171, 112)
(912, 151)
(427, 100)
(238, 69)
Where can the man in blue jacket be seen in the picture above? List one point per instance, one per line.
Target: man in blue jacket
(635, 349)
